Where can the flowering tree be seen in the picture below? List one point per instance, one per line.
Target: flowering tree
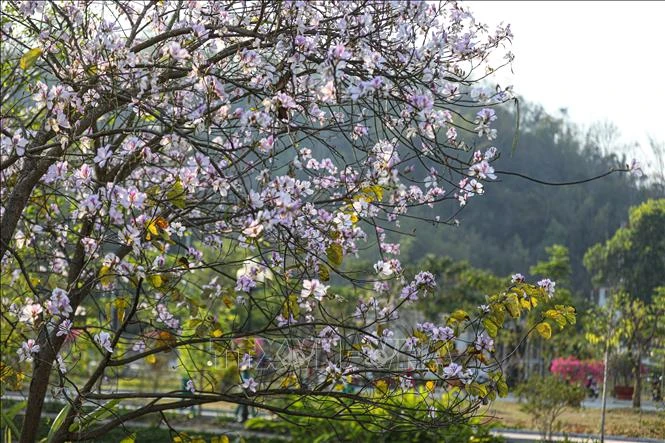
(185, 177)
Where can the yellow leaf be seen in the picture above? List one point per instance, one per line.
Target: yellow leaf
(491, 327)
(544, 329)
(162, 222)
(335, 254)
(381, 385)
(151, 359)
(324, 273)
(120, 305)
(152, 230)
(512, 305)
(224, 439)
(156, 280)
(217, 333)
(228, 301)
(104, 276)
(29, 58)
(430, 385)
(459, 315)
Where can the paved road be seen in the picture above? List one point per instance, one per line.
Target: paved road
(513, 436)
(612, 403)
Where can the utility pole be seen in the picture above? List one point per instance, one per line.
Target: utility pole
(606, 360)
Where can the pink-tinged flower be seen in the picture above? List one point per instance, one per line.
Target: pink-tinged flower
(27, 349)
(56, 172)
(190, 386)
(340, 52)
(425, 279)
(83, 175)
(64, 328)
(314, 287)
(484, 343)
(175, 51)
(453, 370)
(245, 283)
(475, 187)
(383, 268)
(547, 285)
(451, 134)
(486, 115)
(482, 170)
(103, 339)
(635, 168)
(250, 385)
(103, 155)
(517, 278)
(31, 313)
(266, 144)
(253, 230)
(132, 198)
(59, 304)
(327, 92)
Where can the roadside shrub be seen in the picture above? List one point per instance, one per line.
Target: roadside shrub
(545, 399)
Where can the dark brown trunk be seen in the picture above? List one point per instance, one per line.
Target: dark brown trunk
(637, 390)
(38, 387)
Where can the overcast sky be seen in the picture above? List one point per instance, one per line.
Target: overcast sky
(600, 60)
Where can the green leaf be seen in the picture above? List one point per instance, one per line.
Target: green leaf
(7, 419)
(176, 195)
(29, 58)
(502, 387)
(59, 419)
(98, 414)
(335, 254)
(544, 329)
(477, 389)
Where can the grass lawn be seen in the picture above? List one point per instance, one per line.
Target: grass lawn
(624, 422)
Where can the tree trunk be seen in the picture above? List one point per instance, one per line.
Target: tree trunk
(637, 391)
(38, 388)
(606, 361)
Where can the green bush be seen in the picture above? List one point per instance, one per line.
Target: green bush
(545, 399)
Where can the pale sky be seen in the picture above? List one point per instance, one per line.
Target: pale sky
(600, 60)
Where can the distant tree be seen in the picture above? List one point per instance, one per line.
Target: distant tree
(536, 216)
(633, 259)
(633, 323)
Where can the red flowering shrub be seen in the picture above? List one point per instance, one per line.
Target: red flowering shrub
(575, 370)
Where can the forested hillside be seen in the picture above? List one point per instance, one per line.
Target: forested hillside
(508, 228)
